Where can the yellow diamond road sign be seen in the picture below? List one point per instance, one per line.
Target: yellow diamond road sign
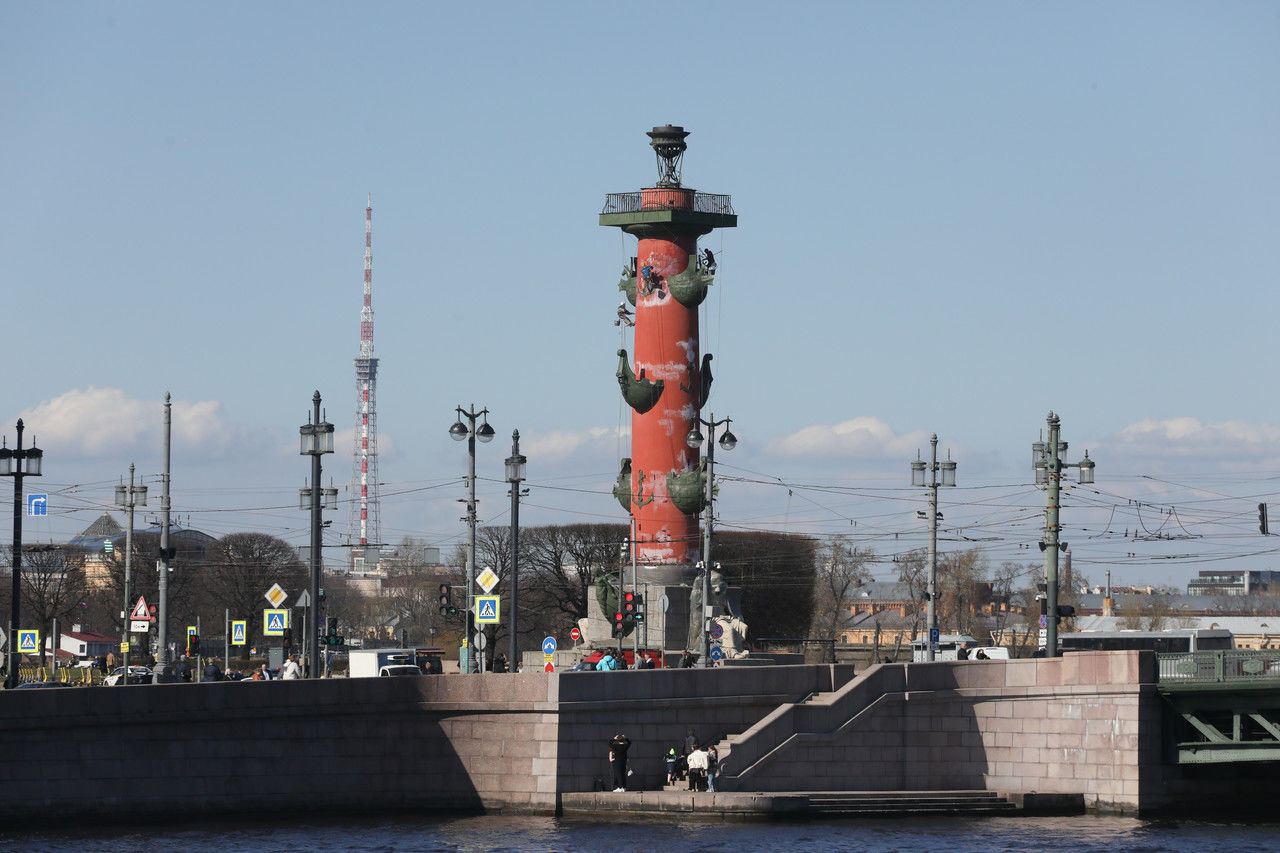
(487, 580)
(276, 595)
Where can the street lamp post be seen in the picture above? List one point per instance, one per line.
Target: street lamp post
(316, 440)
(515, 475)
(1046, 459)
(470, 432)
(17, 463)
(129, 496)
(728, 441)
(948, 471)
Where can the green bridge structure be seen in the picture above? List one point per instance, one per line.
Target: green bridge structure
(1222, 707)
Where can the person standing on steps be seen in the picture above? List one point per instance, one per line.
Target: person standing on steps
(618, 761)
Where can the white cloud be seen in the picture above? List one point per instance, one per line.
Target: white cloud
(96, 421)
(1187, 437)
(861, 436)
(561, 444)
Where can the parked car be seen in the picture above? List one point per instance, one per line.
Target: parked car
(399, 670)
(137, 675)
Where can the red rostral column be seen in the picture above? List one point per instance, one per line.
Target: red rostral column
(661, 485)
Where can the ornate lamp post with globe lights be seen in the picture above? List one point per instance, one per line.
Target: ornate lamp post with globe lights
(470, 432)
(695, 440)
(1046, 459)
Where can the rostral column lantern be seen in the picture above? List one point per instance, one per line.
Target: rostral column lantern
(661, 485)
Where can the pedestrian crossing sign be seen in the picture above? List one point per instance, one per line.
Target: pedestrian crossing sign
(28, 642)
(487, 609)
(274, 622)
(238, 630)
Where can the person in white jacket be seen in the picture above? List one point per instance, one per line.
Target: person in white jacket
(698, 764)
(291, 670)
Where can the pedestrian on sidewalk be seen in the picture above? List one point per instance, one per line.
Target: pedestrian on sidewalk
(673, 763)
(697, 769)
(618, 761)
(713, 764)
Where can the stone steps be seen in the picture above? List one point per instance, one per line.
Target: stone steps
(891, 803)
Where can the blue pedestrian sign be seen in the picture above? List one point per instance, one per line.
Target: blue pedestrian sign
(549, 646)
(28, 642)
(238, 630)
(37, 505)
(274, 622)
(487, 609)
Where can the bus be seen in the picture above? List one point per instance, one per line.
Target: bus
(1179, 640)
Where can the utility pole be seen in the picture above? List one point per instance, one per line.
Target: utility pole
(1048, 464)
(948, 470)
(515, 475)
(128, 497)
(162, 673)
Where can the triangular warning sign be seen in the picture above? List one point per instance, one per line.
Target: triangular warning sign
(275, 622)
(486, 610)
(140, 610)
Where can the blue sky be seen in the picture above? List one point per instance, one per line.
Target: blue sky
(952, 219)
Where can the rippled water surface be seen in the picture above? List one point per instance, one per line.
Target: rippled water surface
(955, 835)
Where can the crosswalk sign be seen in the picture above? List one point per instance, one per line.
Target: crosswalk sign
(28, 642)
(274, 622)
(238, 631)
(487, 609)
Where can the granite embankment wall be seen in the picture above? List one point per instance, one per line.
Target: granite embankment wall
(1084, 723)
(497, 742)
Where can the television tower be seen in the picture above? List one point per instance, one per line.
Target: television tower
(363, 527)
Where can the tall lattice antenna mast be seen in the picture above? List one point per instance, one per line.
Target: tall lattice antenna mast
(365, 509)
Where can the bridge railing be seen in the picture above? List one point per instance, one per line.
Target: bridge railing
(1238, 666)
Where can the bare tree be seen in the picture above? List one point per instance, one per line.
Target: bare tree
(841, 567)
(53, 586)
(242, 567)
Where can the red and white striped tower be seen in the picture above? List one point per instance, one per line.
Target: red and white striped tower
(364, 530)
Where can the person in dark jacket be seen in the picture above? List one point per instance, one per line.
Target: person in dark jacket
(618, 761)
(211, 671)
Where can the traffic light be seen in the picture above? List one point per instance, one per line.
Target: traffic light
(628, 605)
(193, 645)
(1044, 605)
(288, 638)
(618, 629)
(639, 611)
(1262, 520)
(447, 607)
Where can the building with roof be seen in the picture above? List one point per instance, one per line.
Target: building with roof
(105, 537)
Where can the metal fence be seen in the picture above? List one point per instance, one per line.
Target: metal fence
(1239, 666)
(702, 203)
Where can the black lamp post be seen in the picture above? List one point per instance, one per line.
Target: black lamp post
(316, 440)
(470, 432)
(695, 440)
(17, 463)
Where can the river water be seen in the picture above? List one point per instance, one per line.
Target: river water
(1084, 834)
